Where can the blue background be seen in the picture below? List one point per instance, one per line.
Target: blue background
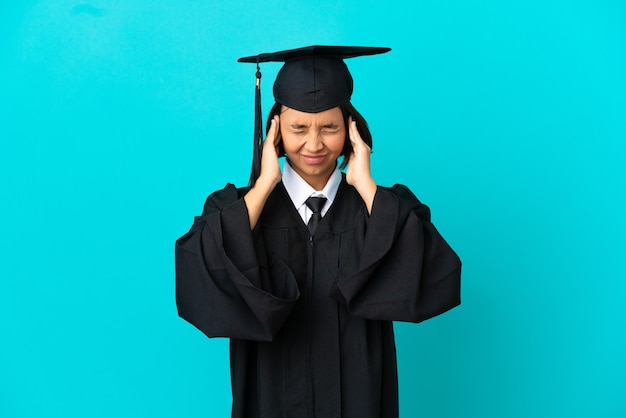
(508, 119)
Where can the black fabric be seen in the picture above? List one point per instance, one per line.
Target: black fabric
(342, 52)
(314, 78)
(313, 84)
(315, 204)
(309, 317)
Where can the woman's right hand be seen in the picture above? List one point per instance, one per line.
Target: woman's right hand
(270, 169)
(270, 174)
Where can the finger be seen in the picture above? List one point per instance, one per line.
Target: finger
(351, 130)
(355, 136)
(272, 134)
(277, 136)
(271, 131)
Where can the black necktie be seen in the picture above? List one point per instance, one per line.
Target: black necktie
(315, 204)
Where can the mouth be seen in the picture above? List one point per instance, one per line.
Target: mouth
(313, 159)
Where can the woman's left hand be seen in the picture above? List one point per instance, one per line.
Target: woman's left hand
(359, 174)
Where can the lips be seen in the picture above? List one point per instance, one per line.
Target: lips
(313, 159)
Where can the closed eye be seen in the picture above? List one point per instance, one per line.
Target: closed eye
(330, 128)
(298, 129)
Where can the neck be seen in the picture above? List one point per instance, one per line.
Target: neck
(316, 181)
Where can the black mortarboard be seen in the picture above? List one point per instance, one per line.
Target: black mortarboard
(313, 79)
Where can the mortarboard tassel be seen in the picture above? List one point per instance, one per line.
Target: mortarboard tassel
(257, 151)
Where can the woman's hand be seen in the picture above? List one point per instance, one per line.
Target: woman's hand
(270, 174)
(359, 174)
(270, 169)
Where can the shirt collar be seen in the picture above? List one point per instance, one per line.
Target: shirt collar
(299, 190)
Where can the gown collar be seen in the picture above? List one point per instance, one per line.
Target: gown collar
(299, 190)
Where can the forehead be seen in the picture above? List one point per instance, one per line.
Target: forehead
(292, 116)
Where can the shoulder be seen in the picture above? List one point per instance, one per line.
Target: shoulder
(398, 191)
(401, 192)
(406, 199)
(223, 198)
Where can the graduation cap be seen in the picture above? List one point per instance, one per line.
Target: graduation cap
(313, 79)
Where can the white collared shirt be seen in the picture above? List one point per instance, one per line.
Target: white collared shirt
(299, 191)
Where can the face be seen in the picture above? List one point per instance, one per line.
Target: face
(312, 142)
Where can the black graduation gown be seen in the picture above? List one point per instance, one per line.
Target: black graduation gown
(309, 318)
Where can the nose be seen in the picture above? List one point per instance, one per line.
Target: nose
(314, 142)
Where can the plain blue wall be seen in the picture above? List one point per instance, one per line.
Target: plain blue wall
(508, 118)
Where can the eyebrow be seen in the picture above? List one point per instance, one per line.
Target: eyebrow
(325, 126)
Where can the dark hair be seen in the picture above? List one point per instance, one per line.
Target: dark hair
(347, 110)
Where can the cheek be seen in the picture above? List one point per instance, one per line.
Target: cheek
(336, 143)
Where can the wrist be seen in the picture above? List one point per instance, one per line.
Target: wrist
(367, 190)
(264, 184)
(266, 181)
(366, 185)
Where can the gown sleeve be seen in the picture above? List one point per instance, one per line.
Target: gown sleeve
(223, 286)
(404, 269)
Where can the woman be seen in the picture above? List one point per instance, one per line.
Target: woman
(306, 269)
